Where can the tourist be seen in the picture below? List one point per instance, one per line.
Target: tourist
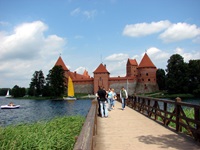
(11, 104)
(99, 107)
(102, 99)
(114, 98)
(123, 97)
(110, 98)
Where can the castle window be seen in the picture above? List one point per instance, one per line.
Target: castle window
(147, 74)
(149, 79)
(142, 79)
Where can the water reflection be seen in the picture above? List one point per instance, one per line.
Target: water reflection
(37, 110)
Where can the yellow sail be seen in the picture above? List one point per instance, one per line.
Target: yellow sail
(70, 87)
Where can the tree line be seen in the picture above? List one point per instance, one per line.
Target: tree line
(53, 85)
(180, 77)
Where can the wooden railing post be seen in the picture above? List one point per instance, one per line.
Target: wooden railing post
(134, 101)
(165, 114)
(178, 99)
(197, 118)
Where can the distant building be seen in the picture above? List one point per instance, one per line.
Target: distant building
(139, 78)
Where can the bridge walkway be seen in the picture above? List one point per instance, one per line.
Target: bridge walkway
(129, 130)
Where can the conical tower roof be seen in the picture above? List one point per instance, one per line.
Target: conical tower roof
(146, 62)
(61, 63)
(101, 69)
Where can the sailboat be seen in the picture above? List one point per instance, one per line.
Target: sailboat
(70, 90)
(8, 94)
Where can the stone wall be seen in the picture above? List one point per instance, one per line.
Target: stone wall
(146, 88)
(84, 88)
(132, 87)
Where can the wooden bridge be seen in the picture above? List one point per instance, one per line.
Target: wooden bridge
(138, 127)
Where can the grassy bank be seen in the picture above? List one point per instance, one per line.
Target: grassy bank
(162, 94)
(77, 95)
(59, 133)
(189, 113)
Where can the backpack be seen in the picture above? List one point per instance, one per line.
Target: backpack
(123, 93)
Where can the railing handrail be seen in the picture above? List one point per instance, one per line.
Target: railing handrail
(151, 107)
(171, 101)
(89, 130)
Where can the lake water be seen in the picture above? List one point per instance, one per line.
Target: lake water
(38, 110)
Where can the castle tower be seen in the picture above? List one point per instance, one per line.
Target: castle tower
(101, 77)
(131, 68)
(61, 63)
(146, 75)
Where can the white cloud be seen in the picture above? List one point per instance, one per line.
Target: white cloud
(187, 56)
(117, 57)
(171, 32)
(25, 51)
(116, 64)
(143, 29)
(180, 31)
(80, 70)
(157, 54)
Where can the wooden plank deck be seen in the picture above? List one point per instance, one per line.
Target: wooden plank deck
(129, 130)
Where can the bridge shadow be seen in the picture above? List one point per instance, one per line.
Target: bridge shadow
(170, 141)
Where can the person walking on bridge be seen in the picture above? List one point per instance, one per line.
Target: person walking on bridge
(123, 97)
(102, 99)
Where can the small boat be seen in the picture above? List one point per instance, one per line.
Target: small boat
(8, 94)
(69, 98)
(70, 91)
(9, 107)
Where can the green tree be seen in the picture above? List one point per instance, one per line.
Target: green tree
(37, 84)
(161, 79)
(194, 77)
(47, 91)
(177, 75)
(18, 91)
(56, 81)
(3, 91)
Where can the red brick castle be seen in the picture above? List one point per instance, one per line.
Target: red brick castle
(139, 78)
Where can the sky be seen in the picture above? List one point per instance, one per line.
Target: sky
(86, 33)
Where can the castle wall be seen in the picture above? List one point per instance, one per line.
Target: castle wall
(128, 84)
(146, 88)
(84, 86)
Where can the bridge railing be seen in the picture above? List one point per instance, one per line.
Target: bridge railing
(168, 112)
(85, 139)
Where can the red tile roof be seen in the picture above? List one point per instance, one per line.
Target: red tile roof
(146, 62)
(101, 69)
(61, 63)
(75, 75)
(85, 73)
(133, 62)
